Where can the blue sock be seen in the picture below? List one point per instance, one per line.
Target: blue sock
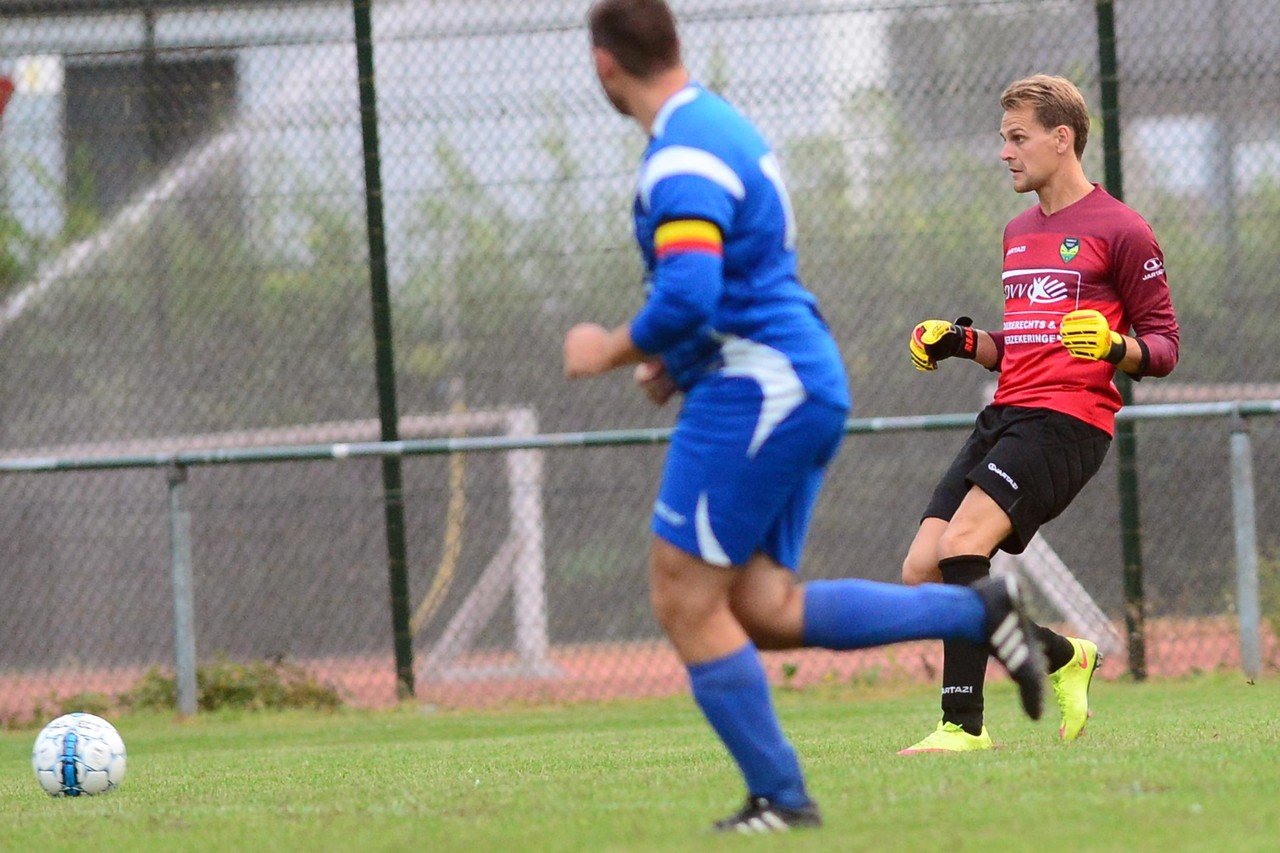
(733, 693)
(858, 614)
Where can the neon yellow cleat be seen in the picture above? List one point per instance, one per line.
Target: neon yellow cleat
(1071, 686)
(950, 737)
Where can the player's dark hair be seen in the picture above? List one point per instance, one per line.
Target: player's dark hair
(1055, 101)
(640, 34)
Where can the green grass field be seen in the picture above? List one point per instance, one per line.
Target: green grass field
(1184, 765)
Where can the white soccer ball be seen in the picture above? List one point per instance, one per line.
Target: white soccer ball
(78, 754)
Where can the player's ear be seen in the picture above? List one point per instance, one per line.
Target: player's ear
(1063, 138)
(606, 65)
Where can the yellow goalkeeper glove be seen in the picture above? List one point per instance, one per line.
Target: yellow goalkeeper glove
(1086, 334)
(934, 340)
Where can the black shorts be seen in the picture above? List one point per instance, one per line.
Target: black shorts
(1032, 462)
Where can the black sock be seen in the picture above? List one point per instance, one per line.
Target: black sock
(1057, 648)
(964, 664)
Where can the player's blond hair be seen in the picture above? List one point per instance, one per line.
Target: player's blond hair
(1054, 101)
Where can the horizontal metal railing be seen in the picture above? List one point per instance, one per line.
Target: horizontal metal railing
(176, 463)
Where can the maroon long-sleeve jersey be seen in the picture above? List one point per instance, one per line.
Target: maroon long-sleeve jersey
(1098, 253)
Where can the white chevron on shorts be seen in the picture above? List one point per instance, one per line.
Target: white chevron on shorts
(782, 390)
(709, 547)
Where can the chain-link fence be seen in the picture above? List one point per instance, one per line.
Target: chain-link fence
(184, 263)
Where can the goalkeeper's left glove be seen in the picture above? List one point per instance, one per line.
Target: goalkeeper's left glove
(1086, 334)
(934, 340)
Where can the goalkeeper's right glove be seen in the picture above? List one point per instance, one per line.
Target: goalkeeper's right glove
(934, 340)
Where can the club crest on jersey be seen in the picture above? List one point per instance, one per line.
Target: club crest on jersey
(1069, 249)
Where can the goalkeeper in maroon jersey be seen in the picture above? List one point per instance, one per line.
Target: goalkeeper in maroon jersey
(1085, 295)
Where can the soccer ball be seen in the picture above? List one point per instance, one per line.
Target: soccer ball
(78, 754)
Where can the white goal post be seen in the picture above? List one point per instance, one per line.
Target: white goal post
(518, 566)
(1042, 565)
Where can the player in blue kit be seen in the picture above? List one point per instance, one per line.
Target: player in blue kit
(728, 325)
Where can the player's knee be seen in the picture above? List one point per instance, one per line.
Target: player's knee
(761, 624)
(917, 569)
(679, 602)
(921, 564)
(669, 606)
(759, 630)
(958, 540)
(772, 621)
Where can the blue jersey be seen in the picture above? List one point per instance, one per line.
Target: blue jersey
(717, 233)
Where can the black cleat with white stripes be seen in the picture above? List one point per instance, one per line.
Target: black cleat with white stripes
(760, 816)
(1012, 638)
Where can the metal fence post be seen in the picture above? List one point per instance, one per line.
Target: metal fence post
(383, 353)
(184, 620)
(1126, 436)
(1242, 501)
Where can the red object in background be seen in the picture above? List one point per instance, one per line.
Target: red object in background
(6, 91)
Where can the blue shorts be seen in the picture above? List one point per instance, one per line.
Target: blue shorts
(723, 499)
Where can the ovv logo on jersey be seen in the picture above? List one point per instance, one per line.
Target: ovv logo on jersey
(1045, 289)
(1069, 249)
(1039, 287)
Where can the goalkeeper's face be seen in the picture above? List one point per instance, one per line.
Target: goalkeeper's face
(1031, 151)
